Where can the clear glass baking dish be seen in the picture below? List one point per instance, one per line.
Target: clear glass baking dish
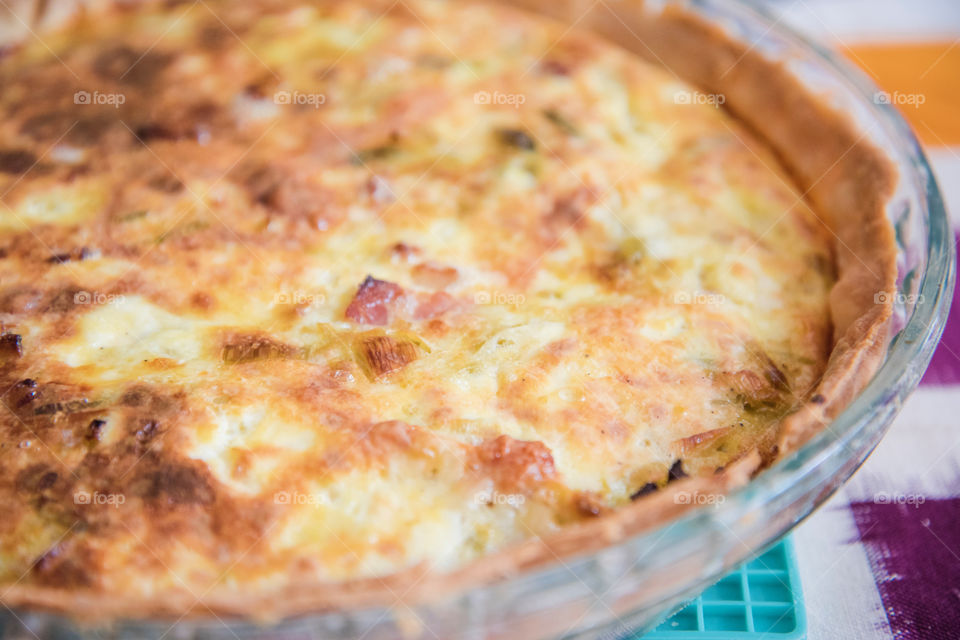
(631, 586)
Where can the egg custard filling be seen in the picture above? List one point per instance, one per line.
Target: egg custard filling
(329, 292)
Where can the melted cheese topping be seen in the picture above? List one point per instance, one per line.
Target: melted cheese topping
(340, 289)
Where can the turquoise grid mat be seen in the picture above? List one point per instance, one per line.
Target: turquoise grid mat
(761, 599)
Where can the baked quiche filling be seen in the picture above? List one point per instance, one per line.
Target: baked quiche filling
(344, 288)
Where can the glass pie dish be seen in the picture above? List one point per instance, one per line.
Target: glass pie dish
(631, 585)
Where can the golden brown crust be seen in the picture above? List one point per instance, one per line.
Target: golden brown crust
(848, 181)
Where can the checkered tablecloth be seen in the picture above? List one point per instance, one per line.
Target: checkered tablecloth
(882, 558)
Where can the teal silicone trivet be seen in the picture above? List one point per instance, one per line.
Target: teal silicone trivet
(762, 598)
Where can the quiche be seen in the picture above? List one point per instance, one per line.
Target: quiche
(303, 301)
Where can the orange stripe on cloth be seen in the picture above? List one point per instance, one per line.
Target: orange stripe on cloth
(922, 80)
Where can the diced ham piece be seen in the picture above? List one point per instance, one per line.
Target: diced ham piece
(378, 301)
(373, 302)
(434, 305)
